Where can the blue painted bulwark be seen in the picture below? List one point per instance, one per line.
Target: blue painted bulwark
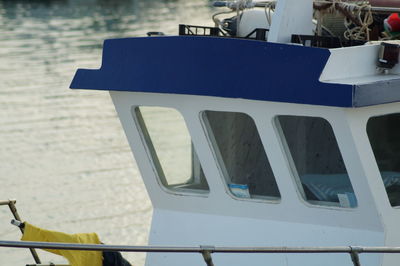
(211, 66)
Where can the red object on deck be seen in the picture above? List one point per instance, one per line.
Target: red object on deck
(392, 23)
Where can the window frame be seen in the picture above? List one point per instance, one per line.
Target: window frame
(153, 157)
(383, 114)
(219, 161)
(293, 169)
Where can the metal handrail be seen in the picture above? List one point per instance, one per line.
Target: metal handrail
(206, 251)
(195, 249)
(7, 202)
(51, 264)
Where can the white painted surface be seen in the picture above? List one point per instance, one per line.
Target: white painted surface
(218, 219)
(252, 19)
(291, 17)
(355, 65)
(192, 229)
(390, 215)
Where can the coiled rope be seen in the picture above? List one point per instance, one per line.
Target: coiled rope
(357, 16)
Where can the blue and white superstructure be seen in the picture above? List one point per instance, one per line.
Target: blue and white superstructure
(273, 143)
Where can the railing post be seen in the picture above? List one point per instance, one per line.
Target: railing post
(206, 252)
(354, 255)
(13, 209)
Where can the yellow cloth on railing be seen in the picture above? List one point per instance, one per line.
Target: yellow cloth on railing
(74, 257)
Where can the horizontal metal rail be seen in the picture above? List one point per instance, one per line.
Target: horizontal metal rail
(206, 251)
(51, 264)
(212, 249)
(7, 202)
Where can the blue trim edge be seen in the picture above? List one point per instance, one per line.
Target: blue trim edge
(211, 66)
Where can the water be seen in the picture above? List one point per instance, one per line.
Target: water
(63, 154)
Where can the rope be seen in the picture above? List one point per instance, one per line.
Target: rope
(269, 7)
(218, 22)
(363, 14)
(358, 16)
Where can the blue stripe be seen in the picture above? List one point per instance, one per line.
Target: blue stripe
(210, 66)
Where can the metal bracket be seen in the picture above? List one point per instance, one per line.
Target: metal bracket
(206, 252)
(354, 255)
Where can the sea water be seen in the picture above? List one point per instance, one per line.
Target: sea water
(63, 154)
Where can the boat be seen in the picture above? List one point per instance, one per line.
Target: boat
(285, 132)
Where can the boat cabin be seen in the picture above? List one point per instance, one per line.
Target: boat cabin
(251, 143)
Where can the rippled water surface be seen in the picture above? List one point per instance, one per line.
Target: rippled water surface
(63, 154)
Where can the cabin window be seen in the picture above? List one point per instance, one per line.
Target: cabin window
(384, 136)
(171, 149)
(241, 155)
(316, 161)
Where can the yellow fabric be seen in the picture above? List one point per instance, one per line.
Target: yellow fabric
(74, 257)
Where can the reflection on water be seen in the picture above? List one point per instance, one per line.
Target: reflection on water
(63, 154)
